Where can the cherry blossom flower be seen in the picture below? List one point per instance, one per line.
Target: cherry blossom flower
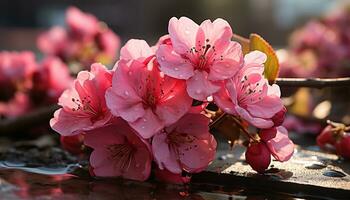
(83, 104)
(85, 41)
(186, 145)
(273, 142)
(49, 81)
(16, 70)
(200, 54)
(250, 96)
(119, 152)
(142, 95)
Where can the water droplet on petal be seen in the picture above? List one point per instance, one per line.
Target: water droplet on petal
(143, 127)
(162, 58)
(176, 69)
(130, 73)
(137, 165)
(126, 93)
(198, 91)
(187, 32)
(144, 119)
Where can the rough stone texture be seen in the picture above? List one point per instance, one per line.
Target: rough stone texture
(309, 172)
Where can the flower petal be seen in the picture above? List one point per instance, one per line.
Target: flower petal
(183, 33)
(135, 49)
(199, 87)
(281, 147)
(148, 125)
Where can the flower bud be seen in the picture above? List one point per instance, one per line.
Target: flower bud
(343, 147)
(258, 156)
(325, 137)
(278, 118)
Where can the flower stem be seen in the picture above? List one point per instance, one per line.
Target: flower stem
(245, 131)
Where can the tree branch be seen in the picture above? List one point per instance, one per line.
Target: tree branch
(313, 82)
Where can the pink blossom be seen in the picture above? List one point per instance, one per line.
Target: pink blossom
(50, 80)
(85, 41)
(186, 145)
(200, 54)
(273, 142)
(53, 42)
(142, 95)
(83, 104)
(16, 70)
(278, 143)
(81, 24)
(119, 152)
(250, 96)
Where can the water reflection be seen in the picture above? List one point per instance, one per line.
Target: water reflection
(21, 185)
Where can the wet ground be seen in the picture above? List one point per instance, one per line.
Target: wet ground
(40, 170)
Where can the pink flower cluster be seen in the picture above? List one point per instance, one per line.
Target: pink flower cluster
(335, 136)
(85, 41)
(320, 48)
(26, 84)
(141, 112)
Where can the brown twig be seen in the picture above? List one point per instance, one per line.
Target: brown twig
(25, 122)
(313, 82)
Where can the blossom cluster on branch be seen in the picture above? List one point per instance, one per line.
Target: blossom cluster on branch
(139, 117)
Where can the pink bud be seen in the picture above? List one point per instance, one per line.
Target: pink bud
(325, 137)
(267, 134)
(343, 147)
(258, 156)
(278, 118)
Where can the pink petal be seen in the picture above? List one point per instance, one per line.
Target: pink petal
(148, 125)
(281, 147)
(199, 87)
(255, 121)
(199, 156)
(266, 108)
(183, 33)
(102, 165)
(230, 65)
(194, 124)
(218, 32)
(163, 155)
(140, 165)
(104, 136)
(175, 102)
(135, 49)
(68, 124)
(172, 64)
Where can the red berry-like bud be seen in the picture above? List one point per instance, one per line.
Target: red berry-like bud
(343, 147)
(278, 118)
(258, 156)
(73, 144)
(267, 134)
(325, 137)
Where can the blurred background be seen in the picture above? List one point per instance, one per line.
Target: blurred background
(22, 20)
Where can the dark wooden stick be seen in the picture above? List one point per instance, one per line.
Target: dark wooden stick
(314, 82)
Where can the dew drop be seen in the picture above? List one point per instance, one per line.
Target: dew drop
(126, 93)
(187, 32)
(198, 91)
(162, 58)
(176, 69)
(130, 73)
(334, 173)
(144, 119)
(143, 127)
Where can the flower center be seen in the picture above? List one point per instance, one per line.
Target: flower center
(85, 106)
(121, 155)
(203, 55)
(251, 89)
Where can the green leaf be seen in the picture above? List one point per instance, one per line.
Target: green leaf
(271, 64)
